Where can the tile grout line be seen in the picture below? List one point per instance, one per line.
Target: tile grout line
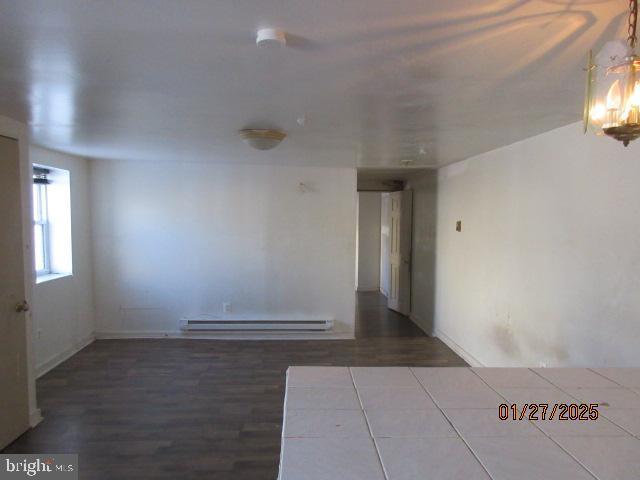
(605, 377)
(560, 388)
(535, 425)
(513, 403)
(624, 387)
(572, 396)
(498, 393)
(630, 389)
(450, 422)
(366, 419)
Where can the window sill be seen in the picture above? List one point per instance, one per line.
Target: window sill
(51, 276)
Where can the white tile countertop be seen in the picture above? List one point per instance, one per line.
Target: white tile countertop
(402, 423)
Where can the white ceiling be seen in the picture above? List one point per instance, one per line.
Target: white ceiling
(377, 174)
(377, 80)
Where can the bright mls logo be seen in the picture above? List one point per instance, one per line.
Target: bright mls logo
(48, 466)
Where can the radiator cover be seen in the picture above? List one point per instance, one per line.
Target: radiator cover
(202, 324)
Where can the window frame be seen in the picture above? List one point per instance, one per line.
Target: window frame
(41, 220)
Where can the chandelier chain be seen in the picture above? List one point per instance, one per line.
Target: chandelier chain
(633, 19)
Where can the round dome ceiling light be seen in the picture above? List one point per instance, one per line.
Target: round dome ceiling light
(269, 37)
(262, 139)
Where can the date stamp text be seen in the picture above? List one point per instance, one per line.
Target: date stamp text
(546, 411)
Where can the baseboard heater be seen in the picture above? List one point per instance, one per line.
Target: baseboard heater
(236, 325)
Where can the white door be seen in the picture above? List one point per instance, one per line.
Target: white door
(14, 400)
(400, 207)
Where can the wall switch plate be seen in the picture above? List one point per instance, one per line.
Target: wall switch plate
(226, 307)
(459, 226)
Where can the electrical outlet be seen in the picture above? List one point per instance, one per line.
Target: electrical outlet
(226, 307)
(542, 364)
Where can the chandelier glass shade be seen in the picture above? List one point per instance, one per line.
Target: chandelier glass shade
(612, 100)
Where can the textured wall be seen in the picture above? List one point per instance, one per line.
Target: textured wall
(368, 241)
(175, 240)
(63, 313)
(546, 270)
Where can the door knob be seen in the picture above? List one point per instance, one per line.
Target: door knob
(22, 307)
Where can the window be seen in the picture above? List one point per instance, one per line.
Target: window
(51, 222)
(40, 222)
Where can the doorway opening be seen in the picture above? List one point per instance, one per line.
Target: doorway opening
(384, 248)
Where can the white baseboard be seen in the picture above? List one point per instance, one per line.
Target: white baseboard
(35, 417)
(466, 356)
(226, 335)
(57, 359)
(368, 289)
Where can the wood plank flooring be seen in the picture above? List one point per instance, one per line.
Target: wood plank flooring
(199, 409)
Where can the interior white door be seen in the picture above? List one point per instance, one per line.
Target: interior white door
(385, 263)
(401, 204)
(14, 400)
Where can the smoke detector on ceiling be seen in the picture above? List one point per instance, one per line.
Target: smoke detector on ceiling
(269, 37)
(262, 138)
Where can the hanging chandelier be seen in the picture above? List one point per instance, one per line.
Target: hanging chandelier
(612, 100)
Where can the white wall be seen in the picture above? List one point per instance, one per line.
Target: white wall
(546, 269)
(368, 268)
(385, 262)
(63, 313)
(423, 248)
(173, 240)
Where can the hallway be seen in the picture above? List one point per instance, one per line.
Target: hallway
(374, 319)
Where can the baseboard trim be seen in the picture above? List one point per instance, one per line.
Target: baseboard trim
(419, 322)
(225, 336)
(466, 356)
(35, 417)
(56, 360)
(367, 289)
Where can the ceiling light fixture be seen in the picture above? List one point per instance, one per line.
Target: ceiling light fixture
(262, 138)
(612, 100)
(268, 37)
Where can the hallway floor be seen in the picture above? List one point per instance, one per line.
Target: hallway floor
(374, 319)
(199, 409)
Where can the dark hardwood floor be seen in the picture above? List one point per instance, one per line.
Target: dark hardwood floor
(199, 409)
(374, 319)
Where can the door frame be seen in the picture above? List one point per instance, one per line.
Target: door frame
(403, 257)
(18, 131)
